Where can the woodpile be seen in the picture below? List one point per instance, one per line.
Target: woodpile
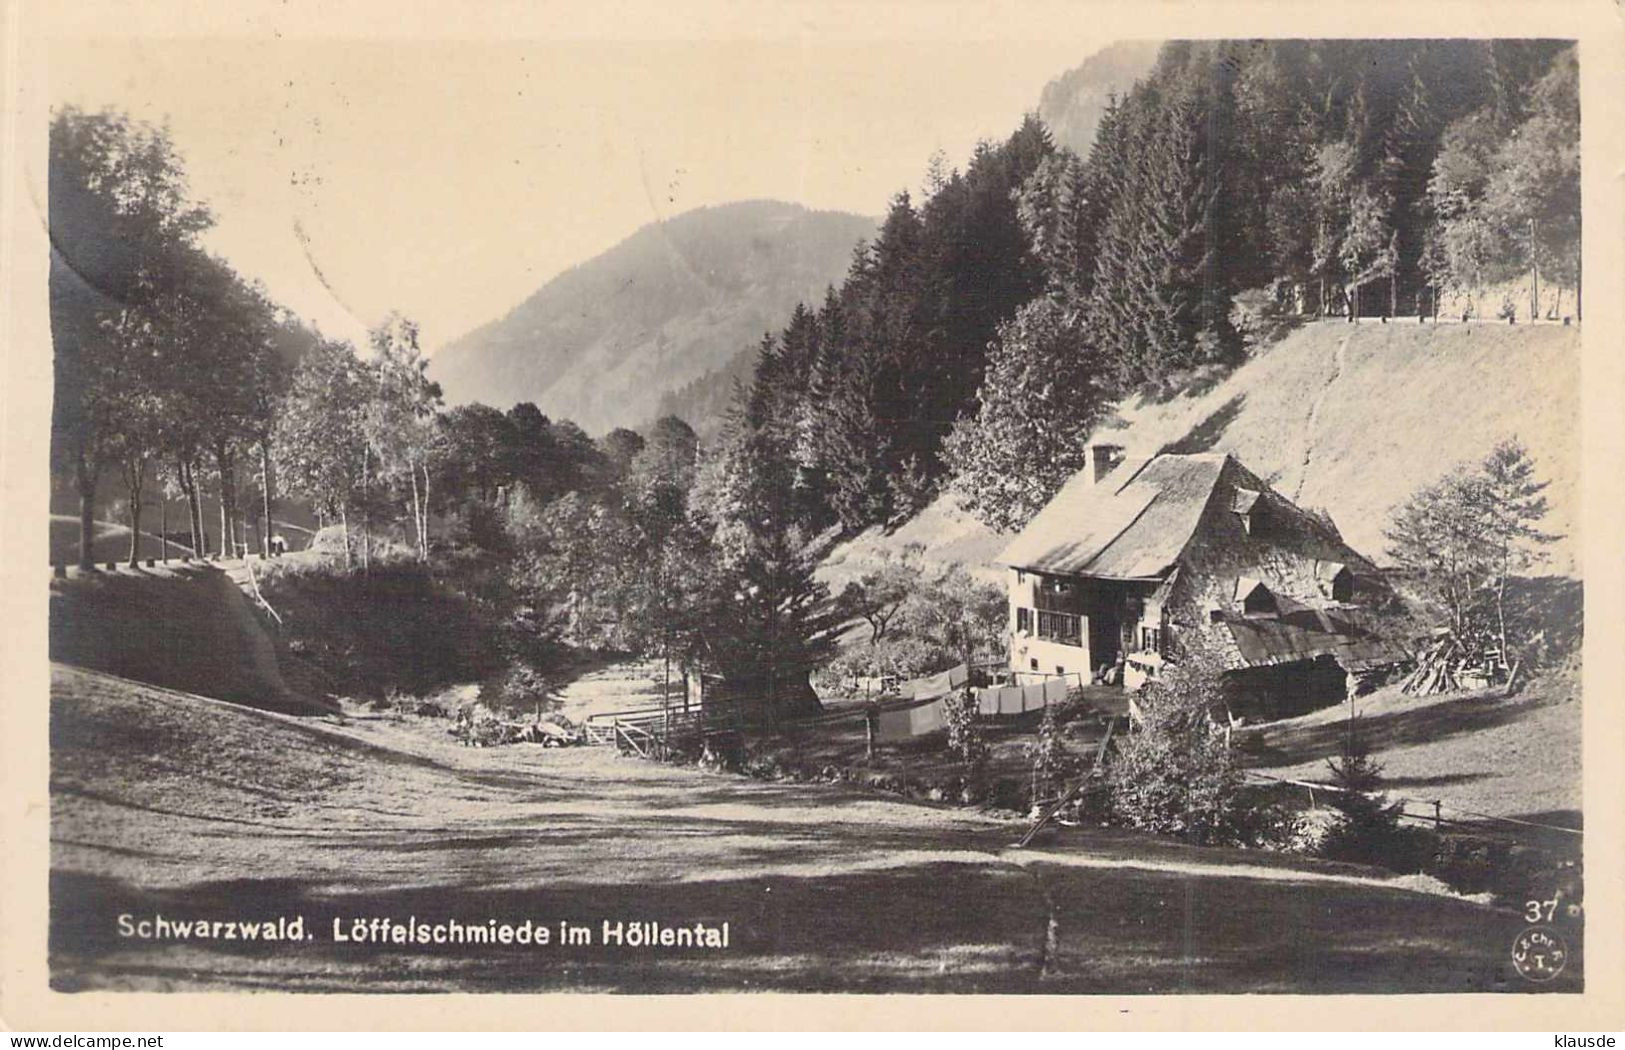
(1448, 666)
(473, 731)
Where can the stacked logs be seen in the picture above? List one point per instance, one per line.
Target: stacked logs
(1437, 668)
(1448, 666)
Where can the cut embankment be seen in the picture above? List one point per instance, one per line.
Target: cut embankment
(183, 627)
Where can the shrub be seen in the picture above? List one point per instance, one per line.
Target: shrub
(1052, 763)
(906, 656)
(1265, 315)
(1174, 773)
(520, 689)
(965, 737)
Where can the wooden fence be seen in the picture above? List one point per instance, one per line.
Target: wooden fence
(654, 731)
(1432, 811)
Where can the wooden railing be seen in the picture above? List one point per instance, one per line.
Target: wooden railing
(651, 730)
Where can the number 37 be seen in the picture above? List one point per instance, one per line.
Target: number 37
(1540, 911)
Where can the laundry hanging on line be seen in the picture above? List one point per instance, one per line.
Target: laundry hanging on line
(1018, 699)
(930, 715)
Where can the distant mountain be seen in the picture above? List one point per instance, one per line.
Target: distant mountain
(674, 305)
(1072, 103)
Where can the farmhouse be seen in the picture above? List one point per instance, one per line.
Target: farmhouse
(1137, 560)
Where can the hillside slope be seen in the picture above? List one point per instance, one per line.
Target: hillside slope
(185, 627)
(1349, 418)
(602, 342)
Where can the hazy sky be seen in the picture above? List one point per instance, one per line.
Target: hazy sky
(451, 178)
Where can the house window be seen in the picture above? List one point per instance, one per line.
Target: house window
(1060, 627)
(1060, 670)
(1248, 507)
(1151, 639)
(1024, 621)
(1021, 577)
(1033, 663)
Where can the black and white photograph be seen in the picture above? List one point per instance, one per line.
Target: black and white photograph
(1096, 514)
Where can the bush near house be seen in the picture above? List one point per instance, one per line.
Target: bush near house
(1175, 773)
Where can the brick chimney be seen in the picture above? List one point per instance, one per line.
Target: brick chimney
(1103, 459)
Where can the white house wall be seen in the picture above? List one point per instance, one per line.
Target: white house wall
(1052, 657)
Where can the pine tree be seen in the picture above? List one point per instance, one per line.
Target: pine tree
(1369, 822)
(1534, 194)
(854, 445)
(770, 622)
(1044, 391)
(1508, 500)
(1463, 540)
(1182, 308)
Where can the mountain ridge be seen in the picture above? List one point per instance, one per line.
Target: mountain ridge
(1072, 103)
(601, 342)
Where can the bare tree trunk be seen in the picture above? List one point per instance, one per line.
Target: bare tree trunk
(265, 492)
(135, 470)
(86, 476)
(1501, 606)
(163, 526)
(417, 517)
(366, 512)
(189, 492)
(229, 538)
(425, 511)
(344, 518)
(194, 506)
(205, 545)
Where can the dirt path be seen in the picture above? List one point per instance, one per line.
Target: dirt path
(623, 686)
(166, 804)
(1312, 420)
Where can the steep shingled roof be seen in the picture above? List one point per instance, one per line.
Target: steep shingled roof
(1132, 524)
(1356, 638)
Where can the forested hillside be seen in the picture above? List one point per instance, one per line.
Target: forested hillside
(675, 304)
(1239, 190)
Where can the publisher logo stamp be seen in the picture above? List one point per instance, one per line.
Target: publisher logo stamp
(1539, 954)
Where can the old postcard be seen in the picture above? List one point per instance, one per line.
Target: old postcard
(920, 501)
